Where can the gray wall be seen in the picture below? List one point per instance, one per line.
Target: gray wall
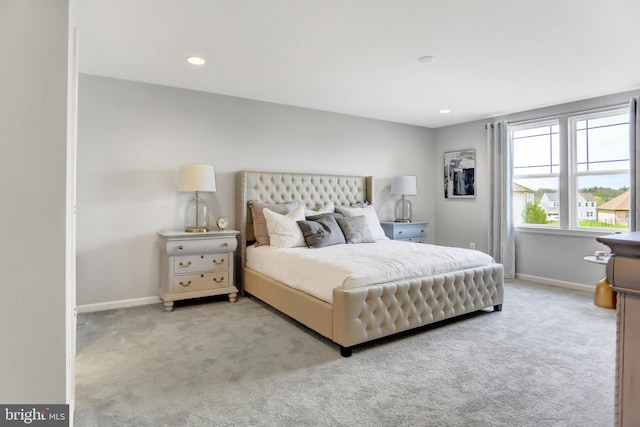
(133, 138)
(33, 170)
(461, 221)
(555, 256)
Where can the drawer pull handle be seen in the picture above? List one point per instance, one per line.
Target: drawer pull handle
(220, 280)
(400, 232)
(184, 265)
(422, 231)
(180, 247)
(215, 261)
(225, 244)
(188, 283)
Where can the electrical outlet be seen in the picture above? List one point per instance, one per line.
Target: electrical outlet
(472, 245)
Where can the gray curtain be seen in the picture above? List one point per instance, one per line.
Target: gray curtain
(634, 157)
(501, 235)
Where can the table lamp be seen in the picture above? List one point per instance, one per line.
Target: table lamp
(406, 186)
(197, 178)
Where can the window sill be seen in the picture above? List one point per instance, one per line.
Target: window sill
(565, 232)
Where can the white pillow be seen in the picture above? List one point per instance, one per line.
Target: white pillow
(284, 231)
(329, 207)
(372, 220)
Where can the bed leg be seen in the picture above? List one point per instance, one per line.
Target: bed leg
(497, 307)
(345, 351)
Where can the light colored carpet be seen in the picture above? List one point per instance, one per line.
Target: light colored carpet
(547, 359)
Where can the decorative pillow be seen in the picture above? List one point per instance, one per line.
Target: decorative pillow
(355, 229)
(259, 223)
(359, 205)
(321, 231)
(327, 208)
(372, 220)
(283, 229)
(333, 214)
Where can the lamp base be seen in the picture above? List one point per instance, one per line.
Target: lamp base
(403, 210)
(196, 219)
(196, 230)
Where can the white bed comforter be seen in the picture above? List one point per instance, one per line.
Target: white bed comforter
(317, 271)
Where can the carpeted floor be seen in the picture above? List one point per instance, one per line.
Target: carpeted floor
(547, 359)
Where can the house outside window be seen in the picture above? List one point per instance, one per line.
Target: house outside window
(586, 206)
(578, 169)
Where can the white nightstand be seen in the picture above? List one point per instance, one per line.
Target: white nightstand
(408, 231)
(194, 265)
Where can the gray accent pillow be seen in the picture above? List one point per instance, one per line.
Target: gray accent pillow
(321, 230)
(260, 231)
(333, 214)
(355, 229)
(359, 205)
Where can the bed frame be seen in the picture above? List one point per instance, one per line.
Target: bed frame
(361, 314)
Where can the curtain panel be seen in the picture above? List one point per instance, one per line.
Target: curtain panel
(634, 167)
(501, 234)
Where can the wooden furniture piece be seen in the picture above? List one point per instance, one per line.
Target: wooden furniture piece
(194, 265)
(361, 314)
(623, 272)
(415, 231)
(604, 296)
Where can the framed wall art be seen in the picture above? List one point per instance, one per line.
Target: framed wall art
(459, 174)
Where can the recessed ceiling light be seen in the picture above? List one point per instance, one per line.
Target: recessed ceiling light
(194, 60)
(444, 111)
(427, 58)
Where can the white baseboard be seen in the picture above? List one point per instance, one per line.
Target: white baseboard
(558, 283)
(101, 306)
(89, 308)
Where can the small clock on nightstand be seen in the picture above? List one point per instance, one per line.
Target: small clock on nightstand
(222, 223)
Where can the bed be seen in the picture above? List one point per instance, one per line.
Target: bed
(368, 308)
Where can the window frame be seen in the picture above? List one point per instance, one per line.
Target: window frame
(568, 176)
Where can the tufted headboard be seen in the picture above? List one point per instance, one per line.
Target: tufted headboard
(312, 189)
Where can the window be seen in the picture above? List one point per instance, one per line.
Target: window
(536, 170)
(572, 172)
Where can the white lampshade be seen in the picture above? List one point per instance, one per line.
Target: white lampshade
(404, 185)
(197, 177)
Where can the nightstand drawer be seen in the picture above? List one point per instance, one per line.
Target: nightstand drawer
(194, 263)
(198, 246)
(198, 282)
(408, 231)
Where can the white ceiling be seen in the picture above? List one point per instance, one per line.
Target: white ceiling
(360, 57)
